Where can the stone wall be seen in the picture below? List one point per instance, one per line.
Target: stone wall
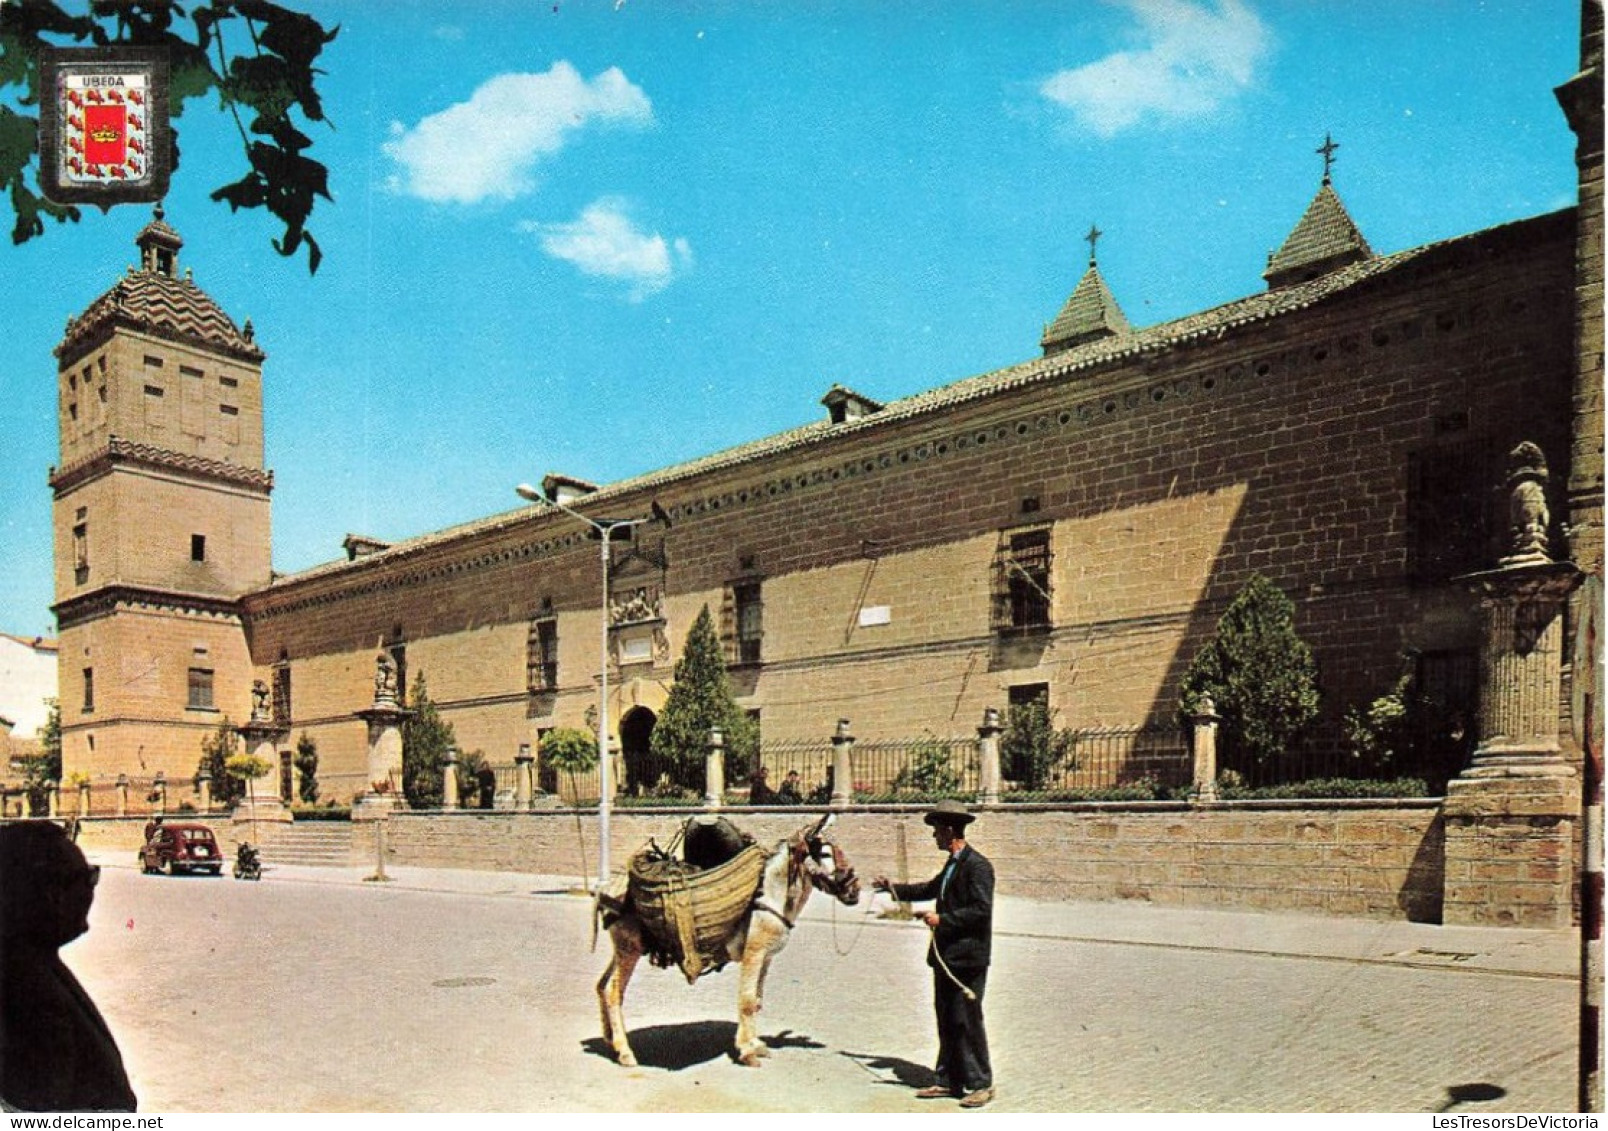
(1340, 858)
(1166, 480)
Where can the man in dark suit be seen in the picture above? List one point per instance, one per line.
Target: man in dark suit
(962, 923)
(56, 1052)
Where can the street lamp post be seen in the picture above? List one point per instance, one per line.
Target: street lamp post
(605, 528)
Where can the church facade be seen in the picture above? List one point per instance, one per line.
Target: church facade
(1068, 529)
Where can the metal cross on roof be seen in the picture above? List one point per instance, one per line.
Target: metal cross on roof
(1093, 237)
(1327, 150)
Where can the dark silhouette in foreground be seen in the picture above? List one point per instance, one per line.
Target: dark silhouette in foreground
(56, 1053)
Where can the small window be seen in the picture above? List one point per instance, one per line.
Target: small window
(229, 382)
(1022, 580)
(541, 655)
(153, 390)
(750, 611)
(81, 553)
(200, 689)
(190, 371)
(198, 547)
(281, 700)
(229, 410)
(153, 362)
(89, 690)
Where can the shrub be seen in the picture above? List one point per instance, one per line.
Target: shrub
(306, 762)
(1261, 677)
(1407, 731)
(1032, 749)
(216, 750)
(42, 769)
(931, 770)
(570, 752)
(1318, 789)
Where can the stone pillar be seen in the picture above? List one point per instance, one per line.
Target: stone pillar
(122, 795)
(1206, 720)
(842, 766)
(53, 799)
(1510, 815)
(384, 718)
(159, 794)
(203, 787)
(988, 758)
(262, 737)
(449, 780)
(524, 778)
(715, 770)
(83, 798)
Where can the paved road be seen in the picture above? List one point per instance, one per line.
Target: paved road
(312, 991)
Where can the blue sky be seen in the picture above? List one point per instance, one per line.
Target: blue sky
(601, 238)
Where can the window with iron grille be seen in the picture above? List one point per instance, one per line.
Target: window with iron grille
(1022, 580)
(399, 657)
(1449, 493)
(541, 655)
(281, 700)
(89, 690)
(81, 552)
(750, 611)
(200, 689)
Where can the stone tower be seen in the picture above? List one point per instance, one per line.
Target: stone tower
(161, 519)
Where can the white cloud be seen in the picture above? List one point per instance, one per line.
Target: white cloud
(605, 242)
(489, 146)
(1198, 56)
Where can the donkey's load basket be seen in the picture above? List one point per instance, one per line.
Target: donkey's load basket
(688, 914)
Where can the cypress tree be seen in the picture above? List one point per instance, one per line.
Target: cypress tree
(1261, 676)
(425, 742)
(701, 698)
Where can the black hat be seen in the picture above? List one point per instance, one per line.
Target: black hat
(951, 813)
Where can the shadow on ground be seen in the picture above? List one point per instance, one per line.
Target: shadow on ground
(906, 1073)
(674, 1047)
(677, 1047)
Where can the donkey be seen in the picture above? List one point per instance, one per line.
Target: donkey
(804, 861)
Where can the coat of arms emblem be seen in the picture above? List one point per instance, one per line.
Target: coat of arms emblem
(103, 130)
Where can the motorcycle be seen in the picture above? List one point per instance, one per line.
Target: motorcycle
(247, 865)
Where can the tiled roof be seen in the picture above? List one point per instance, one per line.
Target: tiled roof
(37, 643)
(1091, 312)
(152, 298)
(1323, 239)
(162, 305)
(1086, 359)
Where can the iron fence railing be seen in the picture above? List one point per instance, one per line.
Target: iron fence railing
(1109, 759)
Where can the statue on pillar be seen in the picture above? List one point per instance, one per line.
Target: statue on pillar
(385, 690)
(1528, 517)
(259, 701)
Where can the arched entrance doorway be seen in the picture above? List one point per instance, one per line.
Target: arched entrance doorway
(636, 736)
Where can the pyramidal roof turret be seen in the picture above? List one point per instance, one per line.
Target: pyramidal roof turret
(154, 299)
(1324, 240)
(1090, 314)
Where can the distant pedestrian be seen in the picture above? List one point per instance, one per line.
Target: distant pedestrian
(759, 790)
(962, 924)
(789, 793)
(56, 1052)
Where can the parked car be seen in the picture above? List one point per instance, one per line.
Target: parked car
(181, 848)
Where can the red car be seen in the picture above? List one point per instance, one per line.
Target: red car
(181, 848)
